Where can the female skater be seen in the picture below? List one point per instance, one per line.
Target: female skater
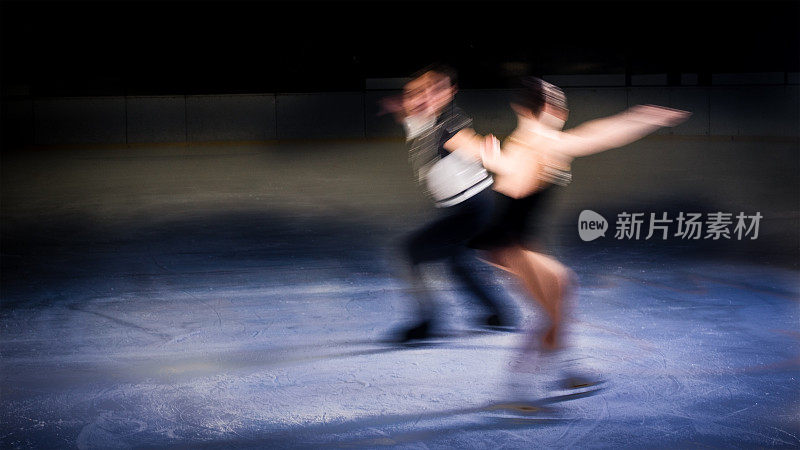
(535, 158)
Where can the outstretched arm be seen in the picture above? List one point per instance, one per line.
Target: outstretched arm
(615, 131)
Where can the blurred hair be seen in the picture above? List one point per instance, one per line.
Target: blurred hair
(441, 68)
(533, 94)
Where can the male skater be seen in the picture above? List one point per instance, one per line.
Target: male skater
(445, 155)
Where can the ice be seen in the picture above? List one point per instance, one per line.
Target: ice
(211, 308)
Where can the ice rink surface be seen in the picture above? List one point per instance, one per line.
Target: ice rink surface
(237, 296)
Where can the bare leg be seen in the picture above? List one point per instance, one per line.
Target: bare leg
(556, 280)
(546, 281)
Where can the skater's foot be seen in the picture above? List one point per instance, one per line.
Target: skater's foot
(415, 333)
(498, 323)
(551, 341)
(548, 384)
(580, 381)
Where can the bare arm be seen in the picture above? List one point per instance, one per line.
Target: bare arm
(615, 131)
(493, 159)
(467, 143)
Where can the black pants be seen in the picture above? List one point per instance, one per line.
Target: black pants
(445, 240)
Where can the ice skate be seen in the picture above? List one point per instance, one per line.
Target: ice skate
(544, 377)
(496, 322)
(418, 335)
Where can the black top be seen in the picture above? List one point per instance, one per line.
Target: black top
(428, 147)
(450, 122)
(515, 221)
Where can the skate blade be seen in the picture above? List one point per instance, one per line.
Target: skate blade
(573, 395)
(526, 408)
(498, 329)
(584, 387)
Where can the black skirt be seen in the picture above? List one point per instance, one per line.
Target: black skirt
(515, 220)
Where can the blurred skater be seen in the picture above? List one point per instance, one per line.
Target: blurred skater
(445, 156)
(533, 161)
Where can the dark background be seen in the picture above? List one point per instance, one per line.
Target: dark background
(161, 80)
(142, 48)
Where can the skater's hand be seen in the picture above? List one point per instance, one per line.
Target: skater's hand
(658, 115)
(391, 105)
(490, 153)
